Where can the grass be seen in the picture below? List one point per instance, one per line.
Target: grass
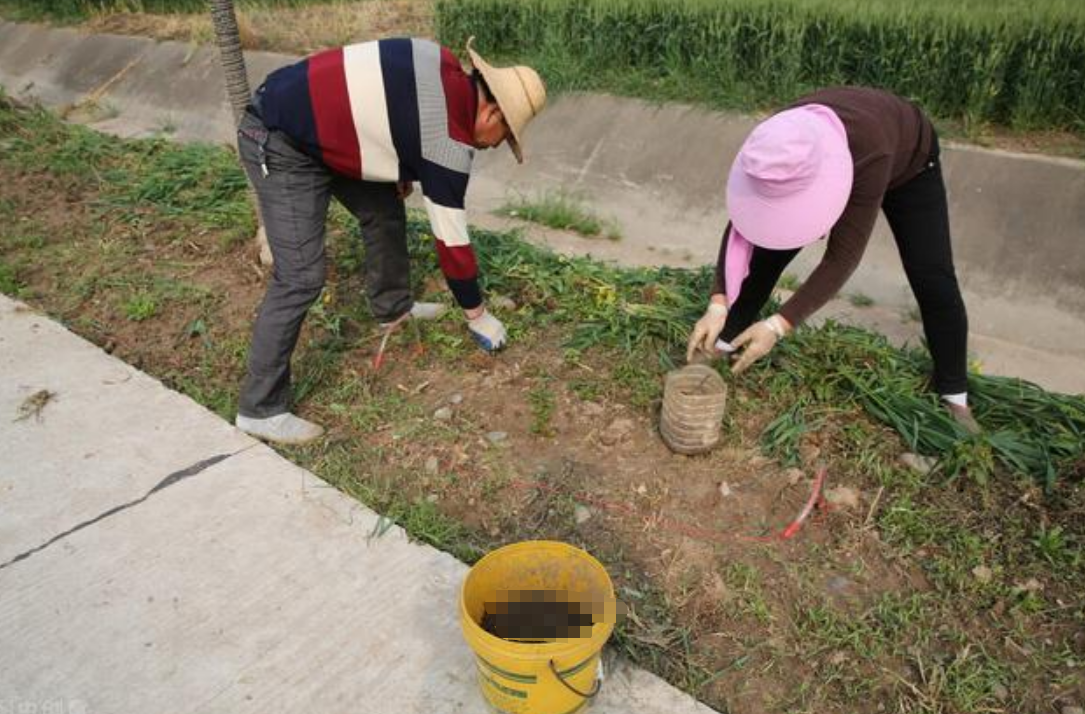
(931, 636)
(563, 211)
(293, 26)
(76, 9)
(1010, 63)
(140, 307)
(860, 300)
(9, 280)
(541, 399)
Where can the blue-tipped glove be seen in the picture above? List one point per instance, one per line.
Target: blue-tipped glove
(488, 331)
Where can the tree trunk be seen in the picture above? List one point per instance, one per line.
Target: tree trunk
(228, 39)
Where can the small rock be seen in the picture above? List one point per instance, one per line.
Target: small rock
(432, 464)
(725, 489)
(1032, 585)
(920, 464)
(982, 573)
(592, 409)
(496, 437)
(809, 453)
(838, 658)
(1070, 709)
(618, 430)
(843, 496)
(794, 476)
(1000, 692)
(433, 498)
(502, 303)
(582, 514)
(455, 399)
(443, 414)
(642, 489)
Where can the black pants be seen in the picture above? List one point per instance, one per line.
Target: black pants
(918, 215)
(295, 191)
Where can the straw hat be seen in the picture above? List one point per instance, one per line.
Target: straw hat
(519, 92)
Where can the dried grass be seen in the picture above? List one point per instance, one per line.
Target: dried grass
(300, 30)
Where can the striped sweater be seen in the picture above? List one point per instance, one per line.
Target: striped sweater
(386, 111)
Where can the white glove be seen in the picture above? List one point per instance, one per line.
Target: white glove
(707, 329)
(758, 340)
(488, 331)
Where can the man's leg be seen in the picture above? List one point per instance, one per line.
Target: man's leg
(918, 213)
(294, 192)
(383, 221)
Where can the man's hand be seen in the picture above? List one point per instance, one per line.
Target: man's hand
(404, 189)
(487, 330)
(707, 330)
(758, 340)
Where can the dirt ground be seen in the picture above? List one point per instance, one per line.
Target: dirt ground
(901, 593)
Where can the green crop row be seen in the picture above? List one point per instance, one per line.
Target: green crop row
(1008, 62)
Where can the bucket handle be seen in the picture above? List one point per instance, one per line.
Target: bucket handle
(574, 690)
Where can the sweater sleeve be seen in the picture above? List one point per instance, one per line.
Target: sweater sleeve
(847, 243)
(443, 195)
(719, 286)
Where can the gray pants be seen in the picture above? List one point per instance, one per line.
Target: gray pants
(294, 191)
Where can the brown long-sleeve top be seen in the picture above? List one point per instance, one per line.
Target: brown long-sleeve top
(890, 142)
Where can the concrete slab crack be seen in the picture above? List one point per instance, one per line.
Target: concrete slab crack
(170, 480)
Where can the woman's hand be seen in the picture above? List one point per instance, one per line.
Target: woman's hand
(708, 329)
(757, 340)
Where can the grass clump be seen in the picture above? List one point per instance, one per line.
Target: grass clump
(10, 284)
(563, 211)
(140, 307)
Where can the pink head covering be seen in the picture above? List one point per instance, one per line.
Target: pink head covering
(788, 186)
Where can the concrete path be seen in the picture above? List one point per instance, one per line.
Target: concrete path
(155, 559)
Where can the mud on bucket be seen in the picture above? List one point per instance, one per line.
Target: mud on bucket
(554, 607)
(694, 401)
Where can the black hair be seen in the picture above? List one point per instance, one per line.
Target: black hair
(481, 82)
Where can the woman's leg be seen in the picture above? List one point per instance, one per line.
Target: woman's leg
(918, 213)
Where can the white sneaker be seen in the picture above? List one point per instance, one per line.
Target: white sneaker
(425, 311)
(282, 428)
(428, 310)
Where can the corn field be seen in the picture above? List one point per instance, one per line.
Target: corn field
(1002, 62)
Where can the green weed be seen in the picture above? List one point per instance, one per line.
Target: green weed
(541, 399)
(10, 284)
(788, 281)
(563, 211)
(140, 307)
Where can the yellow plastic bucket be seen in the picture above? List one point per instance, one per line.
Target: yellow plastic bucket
(553, 677)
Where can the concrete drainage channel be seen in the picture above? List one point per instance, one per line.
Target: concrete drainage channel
(1017, 220)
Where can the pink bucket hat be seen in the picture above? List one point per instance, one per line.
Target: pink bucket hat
(788, 186)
